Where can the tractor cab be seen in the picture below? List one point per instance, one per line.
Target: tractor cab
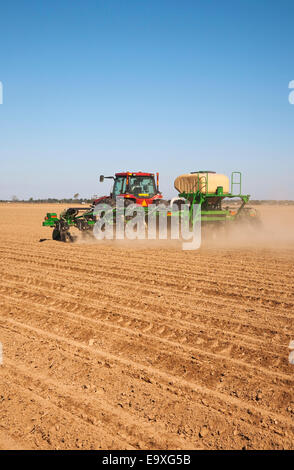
(138, 187)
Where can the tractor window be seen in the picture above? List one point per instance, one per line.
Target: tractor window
(119, 186)
(142, 186)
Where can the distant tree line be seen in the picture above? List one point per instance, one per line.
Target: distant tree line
(49, 200)
(52, 200)
(284, 202)
(281, 202)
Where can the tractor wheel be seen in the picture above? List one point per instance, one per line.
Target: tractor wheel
(61, 235)
(56, 235)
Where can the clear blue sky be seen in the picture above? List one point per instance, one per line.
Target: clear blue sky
(98, 86)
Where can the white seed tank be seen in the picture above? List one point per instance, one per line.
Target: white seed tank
(203, 182)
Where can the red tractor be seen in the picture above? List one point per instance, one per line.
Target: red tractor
(139, 188)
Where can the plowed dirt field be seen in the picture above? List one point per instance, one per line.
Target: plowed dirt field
(113, 346)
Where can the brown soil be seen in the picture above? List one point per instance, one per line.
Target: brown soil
(107, 346)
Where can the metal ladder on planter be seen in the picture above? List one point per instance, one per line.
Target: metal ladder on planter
(236, 180)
